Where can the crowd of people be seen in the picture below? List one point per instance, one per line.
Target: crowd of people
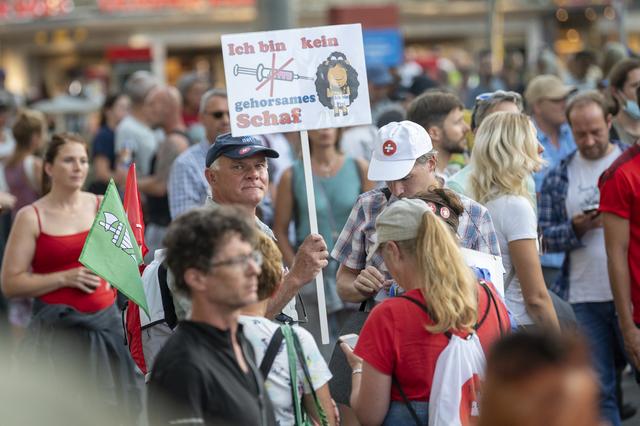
(545, 178)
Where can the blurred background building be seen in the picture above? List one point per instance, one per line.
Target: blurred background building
(88, 47)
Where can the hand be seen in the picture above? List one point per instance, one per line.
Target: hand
(7, 201)
(584, 222)
(354, 360)
(80, 278)
(369, 281)
(631, 337)
(310, 259)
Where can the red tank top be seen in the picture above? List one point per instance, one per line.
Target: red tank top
(56, 253)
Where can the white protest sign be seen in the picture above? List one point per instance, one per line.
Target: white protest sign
(487, 261)
(292, 80)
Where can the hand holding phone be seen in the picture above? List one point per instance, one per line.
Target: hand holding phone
(349, 339)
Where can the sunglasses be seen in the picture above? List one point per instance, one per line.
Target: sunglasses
(503, 94)
(218, 114)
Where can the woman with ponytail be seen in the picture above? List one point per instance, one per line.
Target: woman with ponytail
(395, 357)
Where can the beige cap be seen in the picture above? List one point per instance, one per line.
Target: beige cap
(399, 222)
(546, 86)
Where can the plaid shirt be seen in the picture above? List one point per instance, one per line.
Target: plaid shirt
(358, 235)
(554, 222)
(187, 187)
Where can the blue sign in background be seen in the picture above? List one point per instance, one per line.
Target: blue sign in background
(383, 47)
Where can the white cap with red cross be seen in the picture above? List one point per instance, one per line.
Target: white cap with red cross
(399, 145)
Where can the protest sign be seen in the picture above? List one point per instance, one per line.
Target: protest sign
(292, 80)
(487, 261)
(297, 80)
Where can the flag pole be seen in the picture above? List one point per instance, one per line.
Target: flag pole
(313, 222)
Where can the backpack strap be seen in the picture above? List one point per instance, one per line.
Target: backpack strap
(484, 285)
(491, 300)
(167, 299)
(305, 368)
(425, 309)
(406, 401)
(271, 352)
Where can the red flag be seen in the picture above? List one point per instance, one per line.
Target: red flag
(133, 208)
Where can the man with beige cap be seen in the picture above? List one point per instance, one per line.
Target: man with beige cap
(546, 98)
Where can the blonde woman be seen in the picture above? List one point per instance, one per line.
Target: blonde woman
(399, 341)
(505, 154)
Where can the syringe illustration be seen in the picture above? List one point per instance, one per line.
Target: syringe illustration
(262, 73)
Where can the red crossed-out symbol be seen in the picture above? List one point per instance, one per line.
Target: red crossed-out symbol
(389, 148)
(273, 74)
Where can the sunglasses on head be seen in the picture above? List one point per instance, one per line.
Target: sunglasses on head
(218, 114)
(498, 94)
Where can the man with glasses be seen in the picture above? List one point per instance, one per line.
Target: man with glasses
(486, 104)
(188, 187)
(546, 98)
(206, 372)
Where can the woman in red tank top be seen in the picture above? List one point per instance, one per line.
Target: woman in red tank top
(41, 256)
(41, 261)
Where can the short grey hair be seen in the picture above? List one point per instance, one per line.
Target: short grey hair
(483, 107)
(210, 94)
(216, 164)
(138, 86)
(188, 80)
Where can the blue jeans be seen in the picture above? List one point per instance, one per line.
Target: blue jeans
(599, 323)
(399, 414)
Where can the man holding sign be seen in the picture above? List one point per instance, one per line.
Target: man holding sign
(238, 174)
(404, 158)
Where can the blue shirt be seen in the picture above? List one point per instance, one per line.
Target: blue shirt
(552, 156)
(104, 144)
(187, 187)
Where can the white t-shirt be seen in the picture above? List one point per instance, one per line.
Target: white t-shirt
(513, 219)
(137, 137)
(588, 275)
(258, 330)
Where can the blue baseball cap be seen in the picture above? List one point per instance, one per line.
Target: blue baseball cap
(237, 147)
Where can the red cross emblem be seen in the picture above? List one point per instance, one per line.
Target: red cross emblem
(389, 148)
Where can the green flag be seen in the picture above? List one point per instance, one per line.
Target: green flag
(111, 251)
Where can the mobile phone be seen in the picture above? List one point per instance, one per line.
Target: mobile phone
(349, 339)
(590, 209)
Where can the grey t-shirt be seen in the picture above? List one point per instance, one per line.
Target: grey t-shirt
(140, 140)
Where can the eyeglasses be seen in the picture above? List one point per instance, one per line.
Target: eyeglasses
(218, 114)
(242, 260)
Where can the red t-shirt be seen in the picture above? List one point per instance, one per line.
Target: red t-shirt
(395, 342)
(620, 195)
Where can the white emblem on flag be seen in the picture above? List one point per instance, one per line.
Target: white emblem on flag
(121, 237)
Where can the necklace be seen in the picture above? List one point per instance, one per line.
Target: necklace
(324, 170)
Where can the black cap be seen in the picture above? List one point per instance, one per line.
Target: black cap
(238, 147)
